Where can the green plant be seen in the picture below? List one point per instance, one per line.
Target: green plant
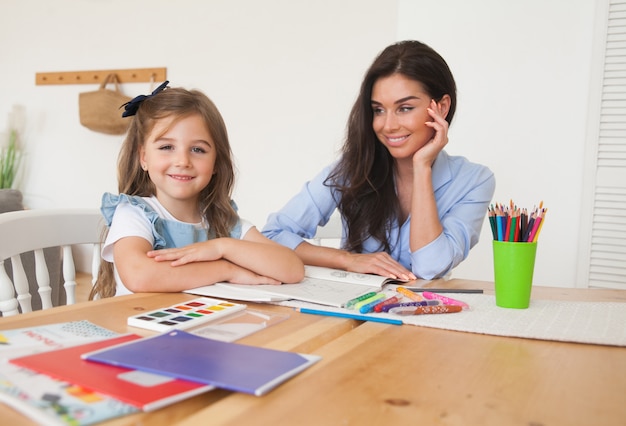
(9, 161)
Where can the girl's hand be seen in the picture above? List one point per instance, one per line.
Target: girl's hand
(197, 252)
(245, 276)
(426, 155)
(378, 263)
(209, 251)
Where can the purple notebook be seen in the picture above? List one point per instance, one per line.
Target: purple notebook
(225, 365)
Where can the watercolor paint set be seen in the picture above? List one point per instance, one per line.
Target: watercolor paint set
(185, 315)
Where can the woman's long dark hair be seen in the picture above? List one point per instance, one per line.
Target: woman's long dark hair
(364, 176)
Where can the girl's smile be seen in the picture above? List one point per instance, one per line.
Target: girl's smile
(180, 157)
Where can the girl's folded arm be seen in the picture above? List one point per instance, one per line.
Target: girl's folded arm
(265, 257)
(140, 273)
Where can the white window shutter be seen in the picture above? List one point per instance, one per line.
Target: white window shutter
(605, 244)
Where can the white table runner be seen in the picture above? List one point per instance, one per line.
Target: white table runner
(602, 323)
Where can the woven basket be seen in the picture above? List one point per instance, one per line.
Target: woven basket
(100, 110)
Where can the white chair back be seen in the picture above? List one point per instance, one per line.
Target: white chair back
(33, 230)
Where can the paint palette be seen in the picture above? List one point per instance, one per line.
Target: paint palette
(185, 315)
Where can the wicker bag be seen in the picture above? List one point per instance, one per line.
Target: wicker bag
(100, 110)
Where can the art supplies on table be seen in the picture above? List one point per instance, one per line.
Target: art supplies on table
(392, 308)
(425, 310)
(445, 300)
(325, 286)
(368, 304)
(143, 390)
(230, 366)
(185, 315)
(445, 290)
(350, 315)
(586, 322)
(388, 307)
(389, 301)
(514, 224)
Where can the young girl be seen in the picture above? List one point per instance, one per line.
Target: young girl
(173, 225)
(408, 208)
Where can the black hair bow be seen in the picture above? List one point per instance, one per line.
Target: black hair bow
(131, 107)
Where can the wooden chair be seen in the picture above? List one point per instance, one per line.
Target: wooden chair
(33, 230)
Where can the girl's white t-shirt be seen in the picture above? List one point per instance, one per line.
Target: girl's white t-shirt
(131, 221)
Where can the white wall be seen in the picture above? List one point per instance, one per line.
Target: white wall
(285, 74)
(523, 75)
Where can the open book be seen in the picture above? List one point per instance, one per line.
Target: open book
(325, 286)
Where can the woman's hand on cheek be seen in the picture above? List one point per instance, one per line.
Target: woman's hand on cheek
(426, 155)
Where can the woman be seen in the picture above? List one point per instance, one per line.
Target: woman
(408, 208)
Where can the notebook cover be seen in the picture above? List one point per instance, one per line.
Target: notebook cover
(226, 365)
(49, 401)
(146, 392)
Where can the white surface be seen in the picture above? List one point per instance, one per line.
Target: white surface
(602, 323)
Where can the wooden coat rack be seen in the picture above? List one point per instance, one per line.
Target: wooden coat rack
(136, 75)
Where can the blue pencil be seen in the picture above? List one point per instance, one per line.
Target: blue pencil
(351, 316)
(499, 220)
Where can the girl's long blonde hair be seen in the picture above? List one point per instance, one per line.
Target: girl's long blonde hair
(214, 199)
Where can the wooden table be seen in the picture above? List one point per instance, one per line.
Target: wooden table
(373, 373)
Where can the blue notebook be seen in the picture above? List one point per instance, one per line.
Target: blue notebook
(225, 365)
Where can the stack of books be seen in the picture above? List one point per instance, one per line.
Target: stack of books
(79, 373)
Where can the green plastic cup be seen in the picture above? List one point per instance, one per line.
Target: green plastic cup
(513, 266)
